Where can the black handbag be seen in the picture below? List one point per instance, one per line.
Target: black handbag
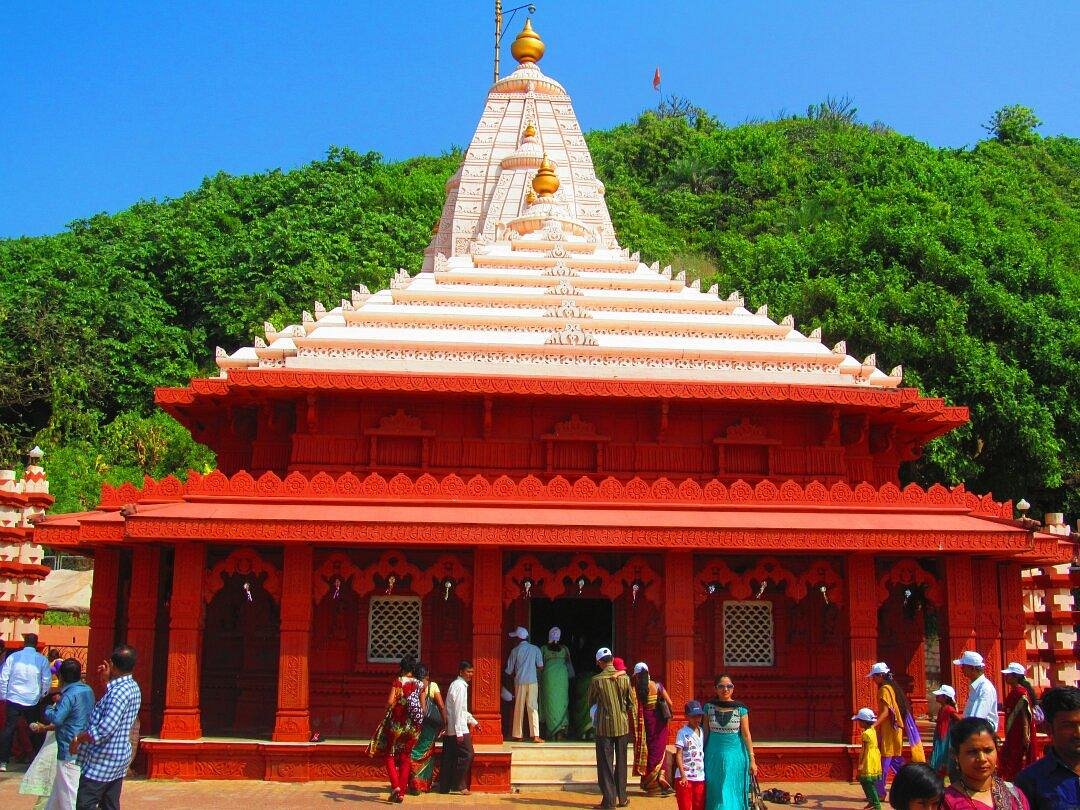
(432, 715)
(663, 707)
(754, 800)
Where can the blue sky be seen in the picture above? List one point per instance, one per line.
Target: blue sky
(103, 104)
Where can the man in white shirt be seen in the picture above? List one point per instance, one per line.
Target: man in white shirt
(24, 682)
(457, 751)
(982, 696)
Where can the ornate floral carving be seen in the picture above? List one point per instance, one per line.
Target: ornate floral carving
(244, 562)
(908, 573)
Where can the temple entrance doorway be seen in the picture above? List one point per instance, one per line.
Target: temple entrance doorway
(586, 625)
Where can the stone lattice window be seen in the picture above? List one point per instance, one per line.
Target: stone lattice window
(748, 634)
(393, 628)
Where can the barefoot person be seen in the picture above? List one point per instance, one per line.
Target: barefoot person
(729, 751)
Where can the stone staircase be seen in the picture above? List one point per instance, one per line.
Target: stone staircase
(555, 764)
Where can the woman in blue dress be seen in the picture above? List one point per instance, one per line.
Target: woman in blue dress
(729, 751)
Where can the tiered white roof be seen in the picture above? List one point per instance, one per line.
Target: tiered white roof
(525, 277)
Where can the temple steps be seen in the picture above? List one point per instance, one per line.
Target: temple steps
(555, 763)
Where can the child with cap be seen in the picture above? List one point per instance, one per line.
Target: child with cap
(946, 716)
(690, 760)
(869, 757)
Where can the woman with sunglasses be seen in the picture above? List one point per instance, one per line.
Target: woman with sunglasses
(729, 751)
(975, 759)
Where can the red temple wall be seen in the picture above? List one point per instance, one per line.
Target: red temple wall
(229, 649)
(522, 435)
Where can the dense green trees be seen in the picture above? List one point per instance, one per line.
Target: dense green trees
(964, 265)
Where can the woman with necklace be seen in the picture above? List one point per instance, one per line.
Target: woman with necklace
(729, 751)
(975, 758)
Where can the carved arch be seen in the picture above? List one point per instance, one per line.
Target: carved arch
(819, 575)
(581, 566)
(243, 562)
(394, 563)
(635, 570)
(527, 567)
(340, 565)
(768, 569)
(715, 572)
(908, 573)
(448, 566)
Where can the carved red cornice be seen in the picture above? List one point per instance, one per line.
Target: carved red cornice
(27, 572)
(584, 489)
(570, 537)
(907, 399)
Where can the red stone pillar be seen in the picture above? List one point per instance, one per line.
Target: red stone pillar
(182, 720)
(679, 630)
(862, 612)
(487, 643)
(960, 620)
(102, 612)
(1013, 629)
(988, 627)
(293, 723)
(142, 621)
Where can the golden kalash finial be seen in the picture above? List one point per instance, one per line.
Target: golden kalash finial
(527, 46)
(530, 132)
(530, 197)
(546, 182)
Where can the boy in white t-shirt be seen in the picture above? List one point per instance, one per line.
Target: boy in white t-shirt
(690, 760)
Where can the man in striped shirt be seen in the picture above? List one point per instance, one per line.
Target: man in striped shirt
(616, 706)
(104, 749)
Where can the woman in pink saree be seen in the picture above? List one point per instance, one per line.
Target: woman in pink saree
(651, 736)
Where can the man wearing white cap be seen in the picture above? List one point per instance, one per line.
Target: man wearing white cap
(616, 706)
(982, 696)
(524, 662)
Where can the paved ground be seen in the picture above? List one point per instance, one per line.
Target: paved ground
(140, 794)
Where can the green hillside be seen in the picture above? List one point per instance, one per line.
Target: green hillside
(963, 265)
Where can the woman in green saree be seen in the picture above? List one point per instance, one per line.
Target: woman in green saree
(423, 763)
(555, 686)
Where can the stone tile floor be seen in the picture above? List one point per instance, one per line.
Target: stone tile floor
(141, 794)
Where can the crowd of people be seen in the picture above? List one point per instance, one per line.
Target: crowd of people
(983, 772)
(416, 716)
(81, 749)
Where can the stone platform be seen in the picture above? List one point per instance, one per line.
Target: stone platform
(496, 768)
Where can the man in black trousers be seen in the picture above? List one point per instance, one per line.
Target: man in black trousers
(457, 753)
(613, 697)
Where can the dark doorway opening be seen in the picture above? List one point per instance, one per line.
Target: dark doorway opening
(586, 625)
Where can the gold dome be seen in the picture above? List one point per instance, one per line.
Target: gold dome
(527, 46)
(546, 181)
(530, 197)
(530, 132)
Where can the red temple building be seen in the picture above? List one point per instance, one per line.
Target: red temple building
(540, 429)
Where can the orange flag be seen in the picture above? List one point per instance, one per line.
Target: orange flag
(656, 79)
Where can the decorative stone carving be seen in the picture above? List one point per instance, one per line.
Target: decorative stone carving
(570, 335)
